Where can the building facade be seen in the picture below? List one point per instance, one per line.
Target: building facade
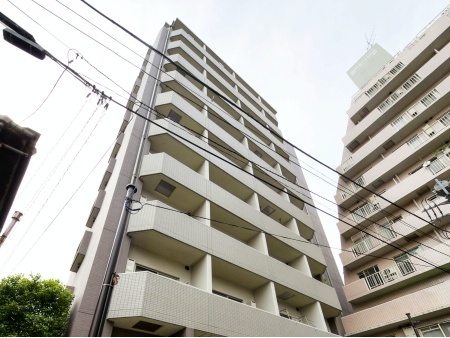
(395, 235)
(221, 242)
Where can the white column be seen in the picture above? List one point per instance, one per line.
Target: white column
(249, 168)
(283, 193)
(204, 213)
(266, 298)
(259, 243)
(204, 169)
(302, 265)
(314, 312)
(244, 142)
(201, 274)
(292, 225)
(272, 146)
(253, 201)
(277, 167)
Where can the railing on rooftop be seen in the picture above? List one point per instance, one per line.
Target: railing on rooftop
(418, 36)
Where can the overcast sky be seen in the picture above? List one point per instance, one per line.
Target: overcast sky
(295, 54)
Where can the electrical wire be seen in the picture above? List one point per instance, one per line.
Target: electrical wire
(258, 166)
(346, 217)
(219, 96)
(383, 211)
(63, 207)
(142, 205)
(26, 185)
(85, 82)
(33, 200)
(45, 100)
(187, 72)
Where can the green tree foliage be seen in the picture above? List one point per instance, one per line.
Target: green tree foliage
(33, 307)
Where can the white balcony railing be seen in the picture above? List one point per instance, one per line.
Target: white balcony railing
(379, 234)
(390, 274)
(353, 187)
(438, 164)
(411, 113)
(301, 319)
(364, 211)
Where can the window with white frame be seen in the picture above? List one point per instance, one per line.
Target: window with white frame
(436, 330)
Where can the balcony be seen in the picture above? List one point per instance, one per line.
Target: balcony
(399, 275)
(181, 35)
(176, 305)
(428, 303)
(413, 57)
(365, 210)
(223, 84)
(192, 156)
(366, 243)
(374, 127)
(389, 274)
(301, 319)
(422, 145)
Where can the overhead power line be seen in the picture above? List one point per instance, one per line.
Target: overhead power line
(230, 103)
(134, 210)
(187, 72)
(86, 83)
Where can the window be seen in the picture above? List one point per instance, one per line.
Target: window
(436, 330)
(403, 261)
(368, 272)
(372, 277)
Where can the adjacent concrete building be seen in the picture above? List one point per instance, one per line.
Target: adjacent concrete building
(396, 145)
(214, 251)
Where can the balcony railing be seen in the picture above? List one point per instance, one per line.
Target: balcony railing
(364, 211)
(438, 164)
(301, 319)
(347, 164)
(380, 233)
(353, 187)
(411, 113)
(390, 274)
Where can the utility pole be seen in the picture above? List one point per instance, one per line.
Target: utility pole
(413, 324)
(15, 218)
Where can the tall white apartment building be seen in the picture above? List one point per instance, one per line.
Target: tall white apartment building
(218, 249)
(395, 237)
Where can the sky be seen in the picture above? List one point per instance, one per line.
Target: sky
(294, 53)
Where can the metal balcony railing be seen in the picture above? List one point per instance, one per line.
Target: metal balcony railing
(364, 211)
(353, 187)
(301, 319)
(390, 274)
(380, 233)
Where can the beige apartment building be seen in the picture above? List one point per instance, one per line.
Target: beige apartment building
(219, 248)
(395, 237)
